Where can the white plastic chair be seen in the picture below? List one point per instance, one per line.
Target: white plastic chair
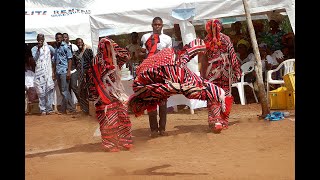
(288, 68)
(245, 68)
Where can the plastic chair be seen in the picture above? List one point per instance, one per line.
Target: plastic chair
(288, 68)
(245, 68)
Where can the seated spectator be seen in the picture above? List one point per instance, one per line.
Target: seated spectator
(258, 29)
(270, 61)
(236, 34)
(267, 61)
(278, 56)
(274, 58)
(244, 56)
(288, 42)
(287, 53)
(273, 37)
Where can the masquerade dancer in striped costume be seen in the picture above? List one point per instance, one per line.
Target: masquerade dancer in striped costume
(165, 74)
(220, 66)
(109, 95)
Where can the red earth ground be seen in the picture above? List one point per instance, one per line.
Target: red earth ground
(62, 147)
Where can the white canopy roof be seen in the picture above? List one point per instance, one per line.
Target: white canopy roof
(52, 16)
(89, 19)
(137, 15)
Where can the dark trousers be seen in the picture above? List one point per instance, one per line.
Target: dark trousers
(163, 118)
(75, 88)
(63, 84)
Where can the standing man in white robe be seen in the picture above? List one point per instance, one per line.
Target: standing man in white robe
(43, 82)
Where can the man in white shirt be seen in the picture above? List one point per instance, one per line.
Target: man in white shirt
(155, 41)
(268, 61)
(152, 43)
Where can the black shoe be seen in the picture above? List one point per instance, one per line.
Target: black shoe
(154, 134)
(73, 112)
(62, 112)
(50, 112)
(163, 133)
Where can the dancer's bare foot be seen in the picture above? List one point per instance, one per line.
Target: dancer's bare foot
(114, 149)
(127, 147)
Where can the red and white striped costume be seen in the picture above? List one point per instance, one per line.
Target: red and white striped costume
(165, 74)
(107, 91)
(223, 66)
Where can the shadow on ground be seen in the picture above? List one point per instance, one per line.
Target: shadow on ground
(149, 171)
(140, 136)
(91, 147)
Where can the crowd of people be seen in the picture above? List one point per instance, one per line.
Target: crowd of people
(275, 46)
(67, 65)
(160, 71)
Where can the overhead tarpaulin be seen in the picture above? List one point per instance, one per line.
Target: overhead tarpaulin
(137, 15)
(65, 16)
(188, 32)
(290, 9)
(86, 18)
(49, 21)
(30, 37)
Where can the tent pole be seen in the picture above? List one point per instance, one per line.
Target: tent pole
(258, 67)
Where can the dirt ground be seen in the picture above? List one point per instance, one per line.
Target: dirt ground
(62, 147)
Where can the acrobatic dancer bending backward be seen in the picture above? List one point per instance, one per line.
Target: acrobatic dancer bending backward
(165, 74)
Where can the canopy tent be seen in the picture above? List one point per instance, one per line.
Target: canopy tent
(65, 16)
(89, 19)
(137, 15)
(76, 25)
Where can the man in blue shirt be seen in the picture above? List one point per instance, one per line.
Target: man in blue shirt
(62, 67)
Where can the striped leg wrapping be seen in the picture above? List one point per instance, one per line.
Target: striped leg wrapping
(115, 125)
